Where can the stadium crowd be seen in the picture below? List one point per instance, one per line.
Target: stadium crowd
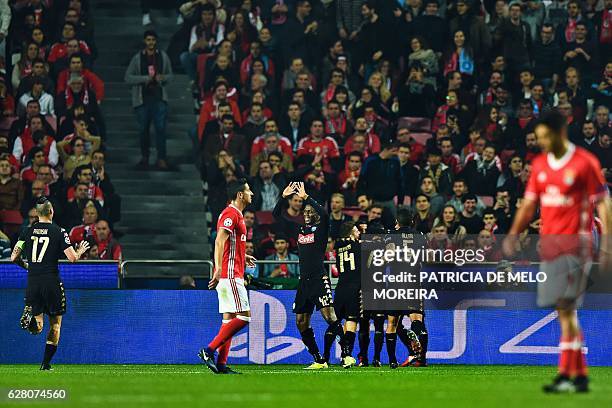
(377, 104)
(52, 131)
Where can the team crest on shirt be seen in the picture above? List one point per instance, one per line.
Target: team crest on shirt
(569, 176)
(313, 229)
(227, 222)
(542, 177)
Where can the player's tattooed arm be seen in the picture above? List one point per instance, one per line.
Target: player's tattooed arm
(16, 255)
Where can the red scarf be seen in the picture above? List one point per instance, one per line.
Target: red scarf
(329, 93)
(489, 97)
(570, 30)
(606, 27)
(70, 97)
(335, 126)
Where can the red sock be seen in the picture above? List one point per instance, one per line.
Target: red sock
(580, 358)
(224, 349)
(565, 356)
(227, 331)
(224, 352)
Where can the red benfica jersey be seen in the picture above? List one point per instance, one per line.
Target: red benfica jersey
(567, 190)
(234, 251)
(326, 146)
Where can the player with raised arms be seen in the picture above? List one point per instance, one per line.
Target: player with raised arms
(228, 278)
(314, 288)
(567, 183)
(43, 243)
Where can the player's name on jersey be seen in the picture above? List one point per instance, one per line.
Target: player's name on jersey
(40, 231)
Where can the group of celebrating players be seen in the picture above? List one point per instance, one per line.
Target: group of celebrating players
(314, 288)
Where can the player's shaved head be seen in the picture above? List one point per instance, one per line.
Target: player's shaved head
(44, 208)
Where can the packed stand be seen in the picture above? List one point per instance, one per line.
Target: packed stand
(375, 105)
(52, 129)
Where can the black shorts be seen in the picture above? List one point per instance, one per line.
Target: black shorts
(347, 302)
(46, 295)
(311, 293)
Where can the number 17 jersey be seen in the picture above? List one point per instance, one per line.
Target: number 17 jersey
(43, 245)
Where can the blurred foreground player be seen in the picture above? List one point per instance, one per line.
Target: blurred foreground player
(43, 244)
(566, 181)
(228, 277)
(347, 298)
(314, 287)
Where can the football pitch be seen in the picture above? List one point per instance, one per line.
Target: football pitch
(289, 386)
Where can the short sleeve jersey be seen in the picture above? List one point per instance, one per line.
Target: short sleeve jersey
(234, 251)
(43, 246)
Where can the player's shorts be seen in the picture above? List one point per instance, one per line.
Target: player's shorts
(347, 302)
(233, 296)
(46, 295)
(566, 279)
(312, 292)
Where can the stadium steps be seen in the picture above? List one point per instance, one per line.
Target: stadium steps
(163, 213)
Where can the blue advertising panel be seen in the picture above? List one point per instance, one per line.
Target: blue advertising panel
(81, 275)
(169, 327)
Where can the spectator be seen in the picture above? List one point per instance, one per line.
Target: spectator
(380, 177)
(415, 96)
(371, 141)
(469, 218)
(293, 125)
(477, 34)
(267, 187)
(301, 33)
(77, 94)
(36, 158)
(79, 155)
(436, 201)
(439, 172)
(431, 26)
(34, 135)
(205, 36)
(148, 73)
(38, 93)
(272, 148)
(547, 57)
(86, 230)
(409, 172)
(226, 139)
(11, 188)
(450, 219)
(482, 173)
(349, 177)
(108, 247)
(84, 175)
(514, 36)
(75, 69)
(281, 270)
(318, 144)
(423, 218)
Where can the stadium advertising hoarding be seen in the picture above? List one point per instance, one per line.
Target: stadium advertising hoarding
(168, 327)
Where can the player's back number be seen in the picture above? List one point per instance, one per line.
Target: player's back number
(38, 255)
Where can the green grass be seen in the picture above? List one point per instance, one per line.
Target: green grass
(288, 386)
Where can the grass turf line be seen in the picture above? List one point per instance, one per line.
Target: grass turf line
(271, 385)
